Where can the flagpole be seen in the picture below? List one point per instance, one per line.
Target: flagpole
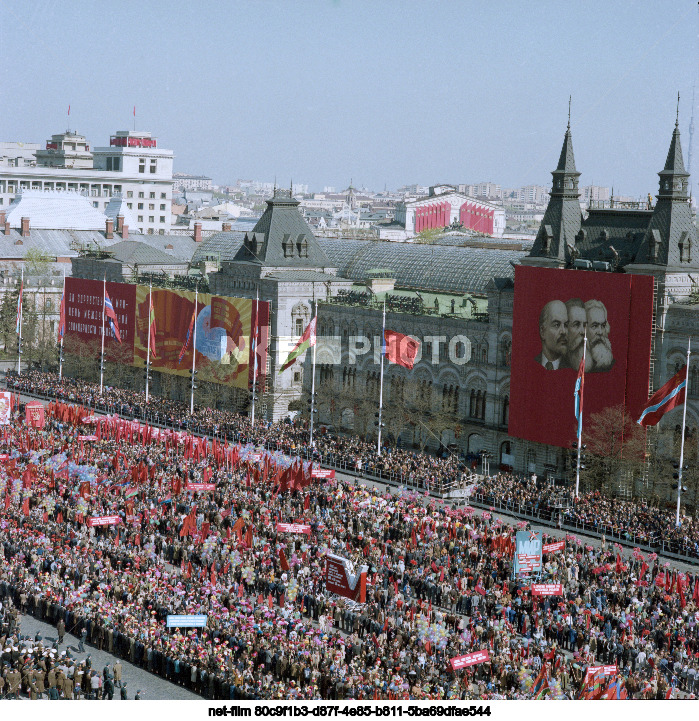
(194, 349)
(60, 357)
(684, 421)
(313, 366)
(254, 355)
(383, 344)
(21, 312)
(150, 306)
(580, 410)
(104, 312)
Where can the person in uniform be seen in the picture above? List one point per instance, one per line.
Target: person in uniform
(117, 673)
(122, 692)
(61, 628)
(137, 697)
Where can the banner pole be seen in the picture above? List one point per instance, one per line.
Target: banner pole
(60, 357)
(21, 313)
(684, 421)
(150, 306)
(383, 353)
(194, 348)
(104, 304)
(254, 356)
(580, 410)
(313, 365)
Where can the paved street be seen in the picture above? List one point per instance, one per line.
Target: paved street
(152, 687)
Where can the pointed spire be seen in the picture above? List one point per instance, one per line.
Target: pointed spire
(566, 162)
(675, 163)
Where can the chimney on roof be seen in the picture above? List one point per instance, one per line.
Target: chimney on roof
(197, 232)
(125, 232)
(3, 217)
(120, 224)
(226, 227)
(109, 230)
(6, 228)
(25, 228)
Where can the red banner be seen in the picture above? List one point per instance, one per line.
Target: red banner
(323, 473)
(470, 659)
(547, 589)
(5, 407)
(293, 528)
(339, 578)
(552, 308)
(87, 438)
(35, 414)
(84, 306)
(200, 487)
(553, 547)
(601, 670)
(103, 520)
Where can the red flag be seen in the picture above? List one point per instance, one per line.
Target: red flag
(400, 349)
(680, 585)
(306, 503)
(282, 560)
(270, 601)
(665, 399)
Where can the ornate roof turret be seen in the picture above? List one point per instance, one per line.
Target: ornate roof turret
(671, 236)
(282, 237)
(555, 241)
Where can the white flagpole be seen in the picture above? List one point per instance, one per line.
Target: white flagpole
(194, 348)
(383, 344)
(684, 422)
(21, 313)
(60, 357)
(104, 312)
(313, 366)
(254, 355)
(582, 388)
(150, 302)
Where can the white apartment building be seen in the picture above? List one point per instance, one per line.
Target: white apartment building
(132, 166)
(184, 181)
(481, 190)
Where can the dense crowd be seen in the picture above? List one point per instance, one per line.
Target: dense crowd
(439, 580)
(633, 521)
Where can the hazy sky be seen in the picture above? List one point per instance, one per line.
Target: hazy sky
(382, 92)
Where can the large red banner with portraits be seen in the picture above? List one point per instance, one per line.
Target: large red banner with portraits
(552, 307)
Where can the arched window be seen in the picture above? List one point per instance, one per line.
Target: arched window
(506, 410)
(472, 404)
(693, 381)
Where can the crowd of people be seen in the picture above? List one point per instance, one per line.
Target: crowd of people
(633, 521)
(439, 579)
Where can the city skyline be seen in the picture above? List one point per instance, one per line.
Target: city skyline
(323, 92)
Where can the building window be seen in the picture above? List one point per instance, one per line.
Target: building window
(109, 163)
(162, 232)
(163, 196)
(140, 206)
(297, 376)
(152, 195)
(162, 218)
(151, 206)
(153, 166)
(150, 231)
(95, 204)
(142, 165)
(162, 206)
(129, 206)
(299, 326)
(140, 218)
(506, 411)
(151, 219)
(140, 195)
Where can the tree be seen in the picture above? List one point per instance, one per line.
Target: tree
(8, 318)
(38, 263)
(428, 236)
(615, 449)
